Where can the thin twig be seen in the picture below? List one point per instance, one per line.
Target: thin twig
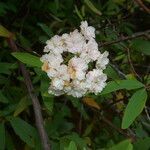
(136, 35)
(130, 62)
(35, 101)
(80, 120)
(120, 73)
(141, 4)
(108, 122)
(147, 113)
(113, 126)
(101, 117)
(147, 72)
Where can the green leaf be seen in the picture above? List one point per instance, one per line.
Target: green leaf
(134, 107)
(8, 110)
(3, 8)
(4, 32)
(24, 42)
(118, 1)
(2, 136)
(9, 141)
(25, 131)
(3, 99)
(141, 45)
(28, 59)
(111, 73)
(3, 80)
(142, 144)
(80, 142)
(48, 102)
(121, 84)
(47, 98)
(124, 145)
(92, 7)
(72, 146)
(78, 12)
(22, 105)
(46, 29)
(88, 129)
(5, 68)
(43, 39)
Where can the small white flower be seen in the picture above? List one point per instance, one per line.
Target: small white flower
(87, 31)
(96, 80)
(93, 75)
(74, 42)
(57, 83)
(102, 61)
(62, 72)
(54, 45)
(55, 92)
(53, 59)
(90, 51)
(51, 72)
(77, 68)
(78, 89)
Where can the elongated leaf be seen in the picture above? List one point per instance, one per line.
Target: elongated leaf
(78, 12)
(22, 105)
(3, 99)
(142, 144)
(72, 146)
(92, 7)
(141, 45)
(134, 107)
(24, 42)
(121, 84)
(91, 102)
(48, 102)
(124, 145)
(5, 68)
(28, 59)
(47, 98)
(2, 136)
(9, 142)
(4, 32)
(8, 110)
(80, 142)
(3, 80)
(46, 29)
(88, 129)
(24, 130)
(111, 73)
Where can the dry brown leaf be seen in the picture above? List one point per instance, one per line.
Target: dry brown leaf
(91, 102)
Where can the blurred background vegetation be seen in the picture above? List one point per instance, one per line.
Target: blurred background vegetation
(93, 122)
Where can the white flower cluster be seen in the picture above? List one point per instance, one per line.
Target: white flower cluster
(74, 64)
